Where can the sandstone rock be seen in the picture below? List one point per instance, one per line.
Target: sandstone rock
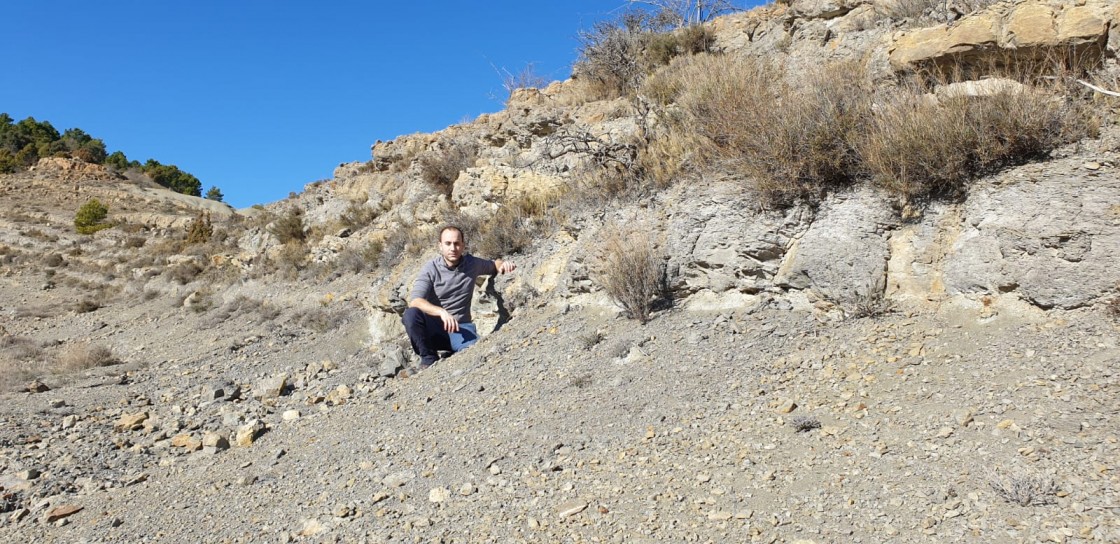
(311, 527)
(37, 387)
(271, 388)
(290, 415)
(571, 508)
(130, 422)
(186, 441)
(439, 494)
(248, 433)
(59, 512)
(398, 479)
(339, 395)
(213, 442)
(1032, 25)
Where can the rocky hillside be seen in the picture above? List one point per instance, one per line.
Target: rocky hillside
(853, 366)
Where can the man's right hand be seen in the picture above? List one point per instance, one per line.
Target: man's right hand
(449, 322)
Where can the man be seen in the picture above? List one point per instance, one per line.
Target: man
(439, 308)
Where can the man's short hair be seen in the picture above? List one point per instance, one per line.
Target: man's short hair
(462, 236)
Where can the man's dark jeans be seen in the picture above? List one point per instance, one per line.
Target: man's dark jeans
(428, 337)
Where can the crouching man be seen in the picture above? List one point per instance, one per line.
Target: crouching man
(438, 317)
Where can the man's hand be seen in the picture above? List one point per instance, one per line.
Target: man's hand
(504, 267)
(449, 322)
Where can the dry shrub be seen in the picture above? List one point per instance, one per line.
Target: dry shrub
(200, 229)
(82, 356)
(360, 258)
(917, 146)
(404, 241)
(791, 138)
(19, 348)
(630, 267)
(183, 272)
(514, 227)
(358, 215)
(1025, 488)
(616, 56)
(289, 227)
(441, 166)
(87, 305)
(290, 260)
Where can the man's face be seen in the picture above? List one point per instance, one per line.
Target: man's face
(451, 246)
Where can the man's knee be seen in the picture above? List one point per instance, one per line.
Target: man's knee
(412, 315)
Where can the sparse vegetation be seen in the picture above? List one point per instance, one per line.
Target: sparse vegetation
(589, 340)
(75, 357)
(441, 166)
(916, 147)
(1025, 489)
(867, 302)
(200, 229)
(631, 269)
(289, 227)
(804, 424)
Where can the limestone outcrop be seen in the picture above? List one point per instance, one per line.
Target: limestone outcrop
(1027, 29)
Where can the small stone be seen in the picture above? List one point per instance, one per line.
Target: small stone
(495, 470)
(69, 422)
(703, 477)
(467, 489)
(311, 527)
(29, 474)
(398, 479)
(945, 432)
(1092, 166)
(290, 415)
(439, 494)
(246, 480)
(571, 508)
(186, 441)
(339, 395)
(213, 442)
(719, 516)
(130, 422)
(342, 511)
(392, 360)
(270, 388)
(786, 406)
(37, 387)
(61, 511)
(962, 417)
(248, 433)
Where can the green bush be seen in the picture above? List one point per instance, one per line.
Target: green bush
(91, 217)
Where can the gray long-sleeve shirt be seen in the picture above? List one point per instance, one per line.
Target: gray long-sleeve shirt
(451, 288)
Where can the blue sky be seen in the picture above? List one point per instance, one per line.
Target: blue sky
(262, 97)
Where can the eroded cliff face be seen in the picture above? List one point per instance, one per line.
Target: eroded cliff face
(1032, 238)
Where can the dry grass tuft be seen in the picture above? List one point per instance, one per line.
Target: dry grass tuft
(1025, 489)
(77, 357)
